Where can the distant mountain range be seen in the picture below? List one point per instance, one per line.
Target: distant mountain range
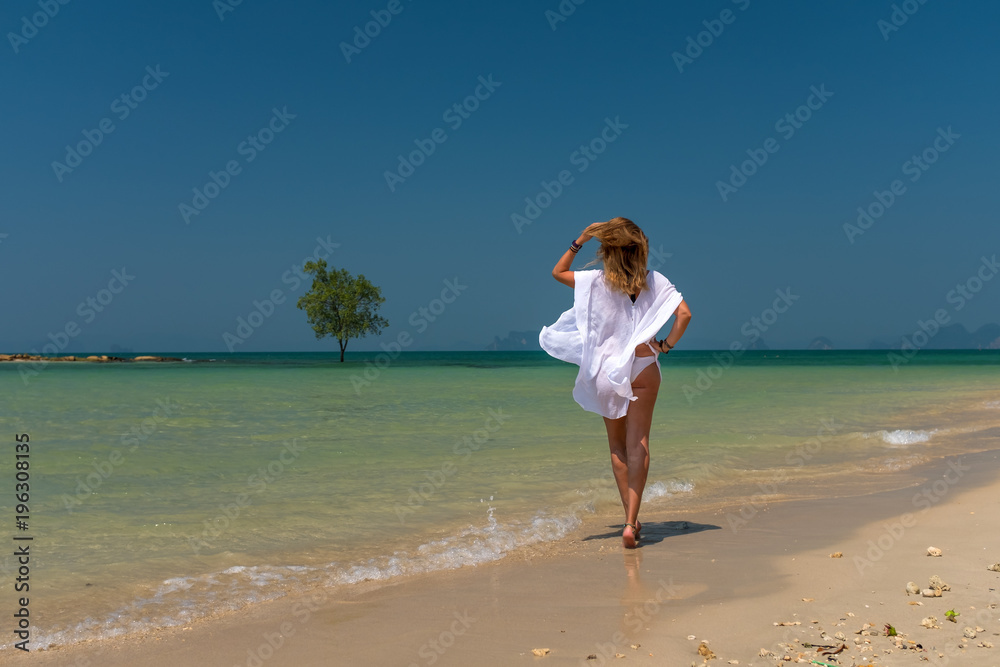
(820, 343)
(951, 337)
(516, 340)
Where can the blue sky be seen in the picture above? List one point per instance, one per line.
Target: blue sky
(208, 86)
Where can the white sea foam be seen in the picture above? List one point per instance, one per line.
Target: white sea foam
(181, 600)
(894, 463)
(901, 437)
(666, 490)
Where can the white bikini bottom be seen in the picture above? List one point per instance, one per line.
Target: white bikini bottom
(640, 363)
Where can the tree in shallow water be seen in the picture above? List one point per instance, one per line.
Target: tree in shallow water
(341, 305)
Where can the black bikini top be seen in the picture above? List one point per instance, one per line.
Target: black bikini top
(635, 296)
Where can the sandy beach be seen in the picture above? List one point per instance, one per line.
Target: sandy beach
(756, 583)
(339, 333)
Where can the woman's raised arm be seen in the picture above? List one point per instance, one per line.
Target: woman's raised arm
(561, 271)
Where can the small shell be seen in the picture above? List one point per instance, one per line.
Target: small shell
(539, 652)
(930, 622)
(912, 588)
(969, 633)
(933, 551)
(931, 592)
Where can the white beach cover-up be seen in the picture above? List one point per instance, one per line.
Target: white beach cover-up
(600, 333)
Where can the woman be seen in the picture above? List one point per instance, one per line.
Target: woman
(610, 333)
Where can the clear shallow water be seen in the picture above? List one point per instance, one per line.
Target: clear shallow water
(162, 493)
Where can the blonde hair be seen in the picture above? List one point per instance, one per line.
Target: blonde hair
(624, 251)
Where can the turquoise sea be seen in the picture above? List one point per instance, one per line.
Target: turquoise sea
(162, 493)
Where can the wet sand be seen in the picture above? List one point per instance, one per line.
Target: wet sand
(726, 577)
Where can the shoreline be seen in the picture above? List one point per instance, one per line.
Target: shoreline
(695, 574)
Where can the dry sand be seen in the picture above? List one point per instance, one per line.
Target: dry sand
(694, 576)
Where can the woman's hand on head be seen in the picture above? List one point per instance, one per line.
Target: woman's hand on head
(588, 233)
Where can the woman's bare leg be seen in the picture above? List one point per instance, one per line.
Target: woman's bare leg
(638, 421)
(619, 456)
